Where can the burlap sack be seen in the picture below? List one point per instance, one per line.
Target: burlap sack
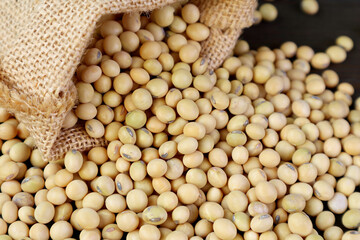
(41, 44)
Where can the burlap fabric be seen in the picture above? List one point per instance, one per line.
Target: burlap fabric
(41, 44)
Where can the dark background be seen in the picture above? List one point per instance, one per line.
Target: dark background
(335, 18)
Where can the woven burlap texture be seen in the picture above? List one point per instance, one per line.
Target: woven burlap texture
(226, 19)
(42, 42)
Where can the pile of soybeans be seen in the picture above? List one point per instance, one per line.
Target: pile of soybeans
(259, 149)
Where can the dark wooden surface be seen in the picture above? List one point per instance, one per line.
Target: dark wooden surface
(335, 17)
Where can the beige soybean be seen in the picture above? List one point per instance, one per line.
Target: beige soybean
(110, 68)
(188, 193)
(73, 161)
(154, 215)
(149, 232)
(333, 232)
(70, 120)
(76, 190)
(300, 223)
(56, 196)
(63, 212)
(19, 152)
(345, 42)
(352, 200)
(193, 129)
(190, 13)
(255, 131)
(23, 199)
(87, 218)
(9, 170)
(112, 231)
(44, 212)
(93, 200)
(86, 111)
(178, 25)
(103, 185)
(105, 114)
(63, 177)
(266, 192)
(167, 200)
(345, 185)
(218, 157)
(11, 187)
(154, 125)
(32, 184)
(157, 87)
(131, 21)
(287, 173)
(224, 228)
(289, 49)
(188, 53)
(112, 44)
(293, 203)
(136, 200)
(18, 230)
(269, 158)
(261, 223)
(150, 50)
(197, 177)
(217, 177)
(268, 11)
(323, 190)
(180, 214)
(110, 27)
(156, 168)
(350, 219)
(91, 74)
(129, 41)
(320, 60)
(197, 31)
(39, 231)
(168, 149)
(60, 230)
(310, 7)
(9, 211)
(236, 201)
(337, 54)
